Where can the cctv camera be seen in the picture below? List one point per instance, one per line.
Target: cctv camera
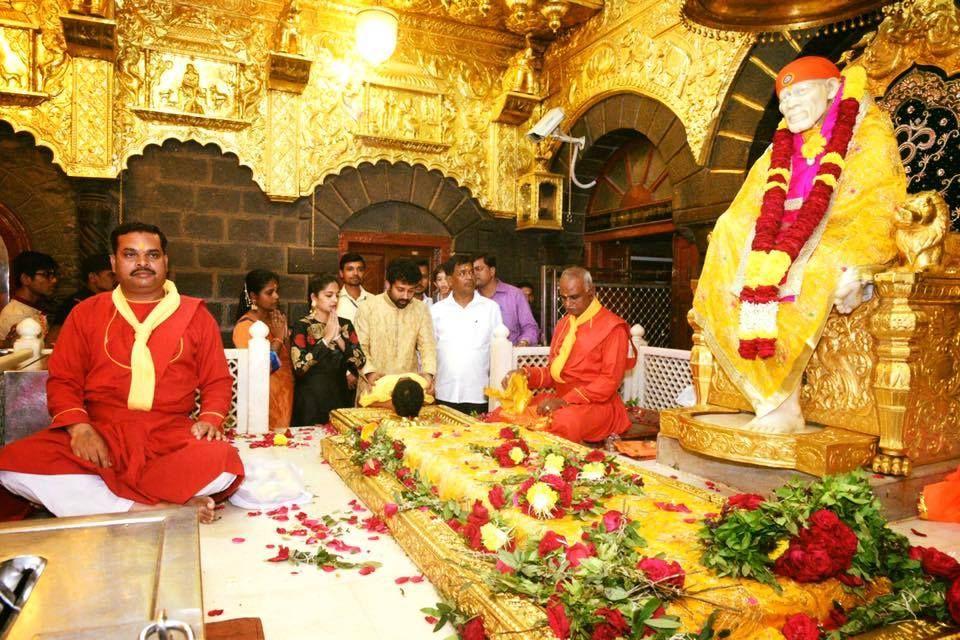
(548, 124)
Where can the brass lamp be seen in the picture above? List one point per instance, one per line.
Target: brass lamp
(540, 198)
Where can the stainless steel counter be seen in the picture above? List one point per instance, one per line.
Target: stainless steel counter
(108, 576)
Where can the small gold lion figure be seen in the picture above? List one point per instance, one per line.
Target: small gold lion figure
(921, 223)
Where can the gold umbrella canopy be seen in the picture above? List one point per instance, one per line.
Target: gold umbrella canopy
(758, 16)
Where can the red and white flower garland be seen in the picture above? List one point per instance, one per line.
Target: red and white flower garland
(774, 247)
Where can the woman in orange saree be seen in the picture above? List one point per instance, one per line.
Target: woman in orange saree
(260, 300)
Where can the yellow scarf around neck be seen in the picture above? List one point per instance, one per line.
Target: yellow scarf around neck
(143, 377)
(556, 367)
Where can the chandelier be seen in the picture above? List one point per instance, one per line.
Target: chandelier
(724, 19)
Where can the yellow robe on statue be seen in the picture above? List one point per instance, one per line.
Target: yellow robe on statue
(857, 232)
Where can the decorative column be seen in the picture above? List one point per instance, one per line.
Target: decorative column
(97, 215)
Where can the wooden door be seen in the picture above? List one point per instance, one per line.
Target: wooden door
(686, 266)
(379, 249)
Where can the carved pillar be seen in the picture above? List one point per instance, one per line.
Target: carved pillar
(701, 361)
(97, 215)
(896, 327)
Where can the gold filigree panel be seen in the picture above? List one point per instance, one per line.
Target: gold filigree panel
(190, 85)
(284, 118)
(92, 127)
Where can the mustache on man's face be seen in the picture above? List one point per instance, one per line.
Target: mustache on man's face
(143, 270)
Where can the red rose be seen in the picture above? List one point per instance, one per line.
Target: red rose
(569, 474)
(615, 619)
(508, 433)
(938, 564)
(578, 553)
(665, 573)
(390, 509)
(479, 515)
(748, 501)
(497, 497)
(564, 490)
(836, 618)
(915, 553)
(800, 626)
(613, 520)
(804, 564)
(398, 449)
(364, 445)
(827, 531)
(502, 453)
(850, 580)
(372, 467)
(471, 534)
(503, 567)
(605, 631)
(473, 630)
(455, 524)
(557, 619)
(551, 541)
(597, 455)
(953, 600)
(585, 505)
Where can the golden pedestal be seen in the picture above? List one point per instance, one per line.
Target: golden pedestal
(821, 452)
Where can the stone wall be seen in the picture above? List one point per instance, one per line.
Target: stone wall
(42, 198)
(220, 224)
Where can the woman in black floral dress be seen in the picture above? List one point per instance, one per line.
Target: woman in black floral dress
(324, 348)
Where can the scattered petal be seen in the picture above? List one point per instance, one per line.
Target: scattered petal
(215, 612)
(365, 571)
(328, 568)
(402, 580)
(416, 579)
(238, 540)
(430, 619)
(918, 533)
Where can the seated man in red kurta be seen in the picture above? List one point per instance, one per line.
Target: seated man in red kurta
(588, 357)
(122, 384)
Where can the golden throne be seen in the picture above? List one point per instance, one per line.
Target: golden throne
(884, 381)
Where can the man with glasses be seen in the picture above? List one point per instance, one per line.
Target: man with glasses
(34, 280)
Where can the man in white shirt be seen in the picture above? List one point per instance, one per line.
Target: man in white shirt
(464, 322)
(352, 268)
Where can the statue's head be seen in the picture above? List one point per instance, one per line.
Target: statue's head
(805, 88)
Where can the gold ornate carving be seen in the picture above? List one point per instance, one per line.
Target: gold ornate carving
(289, 72)
(921, 224)
(284, 118)
(90, 36)
(404, 108)
(823, 452)
(18, 63)
(913, 33)
(641, 47)
(837, 383)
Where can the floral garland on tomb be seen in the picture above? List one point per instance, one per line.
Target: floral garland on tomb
(775, 246)
(832, 529)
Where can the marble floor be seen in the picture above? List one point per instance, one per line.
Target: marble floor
(304, 601)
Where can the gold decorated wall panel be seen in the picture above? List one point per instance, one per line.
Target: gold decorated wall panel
(640, 46)
(201, 71)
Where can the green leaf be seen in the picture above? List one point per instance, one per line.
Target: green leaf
(663, 623)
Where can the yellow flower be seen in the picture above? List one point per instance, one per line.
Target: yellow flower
(366, 434)
(553, 463)
(493, 537)
(593, 471)
(542, 499)
(517, 455)
(780, 550)
(855, 82)
(765, 268)
(814, 146)
(280, 440)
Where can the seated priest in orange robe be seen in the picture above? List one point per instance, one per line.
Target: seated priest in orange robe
(588, 357)
(122, 385)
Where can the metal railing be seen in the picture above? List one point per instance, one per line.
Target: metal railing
(646, 304)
